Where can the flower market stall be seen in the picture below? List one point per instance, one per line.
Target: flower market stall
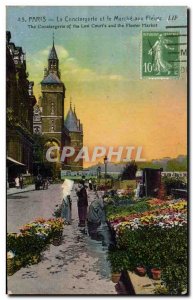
(25, 248)
(151, 239)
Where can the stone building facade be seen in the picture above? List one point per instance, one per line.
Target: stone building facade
(49, 118)
(75, 128)
(37, 120)
(20, 102)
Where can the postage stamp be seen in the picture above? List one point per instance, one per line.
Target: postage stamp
(160, 55)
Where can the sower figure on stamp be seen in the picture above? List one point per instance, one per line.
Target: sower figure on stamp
(160, 64)
(82, 203)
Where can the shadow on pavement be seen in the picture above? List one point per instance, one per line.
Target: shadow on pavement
(16, 197)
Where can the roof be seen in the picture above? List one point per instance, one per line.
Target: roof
(15, 161)
(52, 78)
(53, 54)
(71, 121)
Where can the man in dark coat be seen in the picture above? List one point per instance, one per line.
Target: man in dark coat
(82, 203)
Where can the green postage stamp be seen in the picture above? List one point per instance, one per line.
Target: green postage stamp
(160, 55)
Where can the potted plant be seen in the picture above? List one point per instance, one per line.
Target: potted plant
(115, 277)
(116, 271)
(156, 273)
(115, 261)
(140, 270)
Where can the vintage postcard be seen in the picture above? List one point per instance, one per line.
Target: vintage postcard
(97, 176)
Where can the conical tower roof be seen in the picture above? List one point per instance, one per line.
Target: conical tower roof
(53, 54)
(71, 121)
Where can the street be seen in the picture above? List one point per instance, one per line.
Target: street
(78, 266)
(23, 208)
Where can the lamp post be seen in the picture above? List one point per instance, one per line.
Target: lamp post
(99, 174)
(105, 163)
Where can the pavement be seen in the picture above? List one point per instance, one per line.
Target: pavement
(27, 188)
(78, 266)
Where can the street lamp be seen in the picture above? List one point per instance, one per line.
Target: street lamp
(105, 163)
(99, 174)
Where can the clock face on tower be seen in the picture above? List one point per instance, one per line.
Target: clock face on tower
(36, 129)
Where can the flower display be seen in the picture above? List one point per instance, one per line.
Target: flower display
(151, 233)
(43, 228)
(122, 192)
(167, 214)
(25, 247)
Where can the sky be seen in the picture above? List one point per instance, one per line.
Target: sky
(101, 70)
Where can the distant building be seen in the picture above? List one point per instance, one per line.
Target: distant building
(20, 101)
(48, 117)
(75, 129)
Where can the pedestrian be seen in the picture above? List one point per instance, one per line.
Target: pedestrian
(38, 182)
(83, 179)
(97, 227)
(94, 185)
(45, 183)
(82, 203)
(90, 184)
(21, 181)
(66, 209)
(17, 182)
(96, 213)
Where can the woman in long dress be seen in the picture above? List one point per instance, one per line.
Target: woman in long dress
(66, 202)
(66, 209)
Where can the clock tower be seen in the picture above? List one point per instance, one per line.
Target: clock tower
(52, 101)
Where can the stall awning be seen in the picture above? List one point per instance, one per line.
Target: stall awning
(14, 161)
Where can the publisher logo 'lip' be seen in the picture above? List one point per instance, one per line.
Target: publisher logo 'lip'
(122, 154)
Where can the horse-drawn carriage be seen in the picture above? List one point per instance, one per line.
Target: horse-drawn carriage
(41, 183)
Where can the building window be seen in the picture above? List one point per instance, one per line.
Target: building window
(52, 126)
(52, 108)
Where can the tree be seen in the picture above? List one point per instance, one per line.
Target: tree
(176, 165)
(129, 171)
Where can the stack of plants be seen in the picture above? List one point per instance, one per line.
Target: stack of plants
(152, 234)
(25, 248)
